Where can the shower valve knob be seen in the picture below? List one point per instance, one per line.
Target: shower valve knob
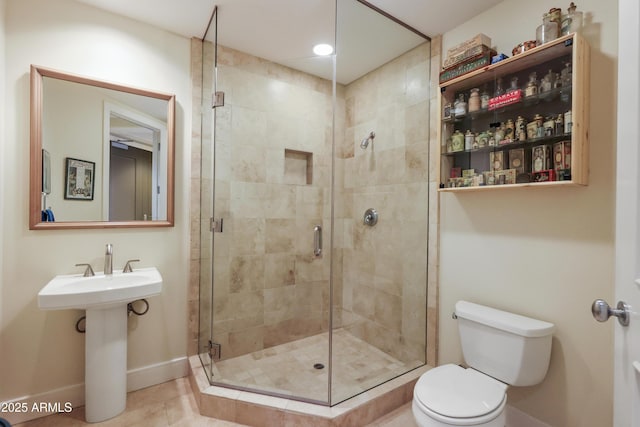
(370, 217)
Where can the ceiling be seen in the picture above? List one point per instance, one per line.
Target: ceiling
(264, 27)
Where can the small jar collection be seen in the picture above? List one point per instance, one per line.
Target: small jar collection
(537, 163)
(556, 24)
(512, 122)
(479, 100)
(512, 130)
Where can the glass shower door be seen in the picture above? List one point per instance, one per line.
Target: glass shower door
(272, 186)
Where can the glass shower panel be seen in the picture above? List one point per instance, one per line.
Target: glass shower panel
(272, 180)
(382, 136)
(207, 70)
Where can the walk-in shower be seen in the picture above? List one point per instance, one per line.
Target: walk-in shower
(298, 296)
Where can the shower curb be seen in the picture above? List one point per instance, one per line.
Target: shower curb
(258, 410)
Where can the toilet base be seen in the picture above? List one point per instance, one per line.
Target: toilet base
(424, 420)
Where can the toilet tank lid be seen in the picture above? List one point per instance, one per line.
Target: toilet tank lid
(510, 322)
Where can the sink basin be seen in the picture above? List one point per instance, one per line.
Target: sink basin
(99, 291)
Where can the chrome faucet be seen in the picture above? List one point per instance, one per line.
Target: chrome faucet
(108, 260)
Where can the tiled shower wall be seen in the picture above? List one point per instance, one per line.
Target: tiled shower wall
(384, 266)
(277, 188)
(273, 160)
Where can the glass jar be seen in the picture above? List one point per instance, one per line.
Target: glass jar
(568, 122)
(482, 139)
(547, 82)
(469, 139)
(460, 106)
(514, 85)
(555, 15)
(549, 126)
(457, 141)
(447, 111)
(565, 79)
(532, 85)
(539, 125)
(532, 130)
(557, 83)
(546, 32)
(499, 90)
(576, 19)
(521, 129)
(509, 131)
(474, 100)
(572, 21)
(491, 138)
(566, 75)
(484, 99)
(559, 124)
(498, 136)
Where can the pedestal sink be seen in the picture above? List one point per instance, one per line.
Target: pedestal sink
(105, 300)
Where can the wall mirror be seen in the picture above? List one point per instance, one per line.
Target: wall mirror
(102, 154)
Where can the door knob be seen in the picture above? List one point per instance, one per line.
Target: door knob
(601, 311)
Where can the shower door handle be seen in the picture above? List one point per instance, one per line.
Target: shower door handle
(317, 240)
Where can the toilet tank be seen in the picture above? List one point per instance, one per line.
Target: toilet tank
(511, 348)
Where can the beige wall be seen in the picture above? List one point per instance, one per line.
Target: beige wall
(85, 109)
(40, 351)
(543, 252)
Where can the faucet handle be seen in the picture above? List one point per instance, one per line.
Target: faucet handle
(127, 267)
(88, 272)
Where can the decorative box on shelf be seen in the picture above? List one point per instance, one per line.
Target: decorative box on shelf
(477, 50)
(471, 64)
(535, 134)
(477, 40)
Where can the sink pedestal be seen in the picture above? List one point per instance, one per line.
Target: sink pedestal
(105, 362)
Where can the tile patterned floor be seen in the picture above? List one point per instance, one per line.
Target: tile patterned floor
(288, 369)
(173, 404)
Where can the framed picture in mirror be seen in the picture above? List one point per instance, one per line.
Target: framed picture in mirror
(78, 181)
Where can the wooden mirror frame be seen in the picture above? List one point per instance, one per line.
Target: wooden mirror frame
(35, 173)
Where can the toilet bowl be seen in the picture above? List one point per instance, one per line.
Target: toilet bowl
(501, 349)
(450, 395)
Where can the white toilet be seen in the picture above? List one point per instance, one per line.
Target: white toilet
(501, 349)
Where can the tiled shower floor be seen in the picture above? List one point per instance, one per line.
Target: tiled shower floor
(288, 369)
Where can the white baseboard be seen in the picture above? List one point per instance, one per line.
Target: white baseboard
(517, 418)
(156, 374)
(137, 379)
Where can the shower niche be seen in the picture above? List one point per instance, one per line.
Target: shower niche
(298, 167)
(282, 161)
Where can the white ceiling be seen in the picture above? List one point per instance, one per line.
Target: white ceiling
(265, 27)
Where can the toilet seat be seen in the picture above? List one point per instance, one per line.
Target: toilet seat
(458, 396)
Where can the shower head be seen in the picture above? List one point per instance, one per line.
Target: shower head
(365, 142)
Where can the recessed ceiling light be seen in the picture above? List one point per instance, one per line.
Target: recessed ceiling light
(323, 49)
